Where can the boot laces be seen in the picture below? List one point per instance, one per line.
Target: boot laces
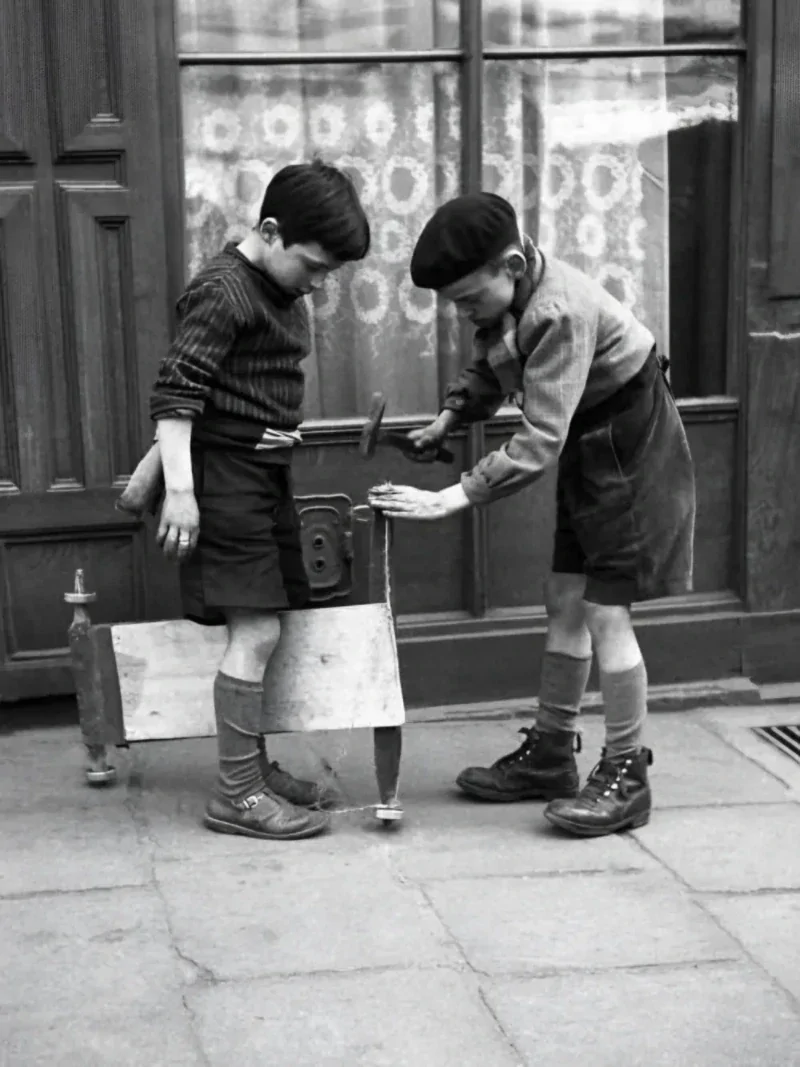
(525, 750)
(607, 777)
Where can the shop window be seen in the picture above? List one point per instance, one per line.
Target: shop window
(316, 25)
(598, 23)
(623, 168)
(395, 130)
(621, 165)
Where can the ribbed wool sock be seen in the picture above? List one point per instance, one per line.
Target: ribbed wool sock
(625, 702)
(564, 680)
(238, 711)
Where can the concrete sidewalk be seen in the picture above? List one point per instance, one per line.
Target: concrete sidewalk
(473, 936)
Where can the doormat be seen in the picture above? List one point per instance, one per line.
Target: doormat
(784, 738)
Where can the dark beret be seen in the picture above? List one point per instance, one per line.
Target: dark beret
(462, 236)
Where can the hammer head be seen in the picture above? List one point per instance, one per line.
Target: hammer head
(372, 427)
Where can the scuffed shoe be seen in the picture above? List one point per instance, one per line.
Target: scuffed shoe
(616, 797)
(543, 767)
(263, 815)
(295, 790)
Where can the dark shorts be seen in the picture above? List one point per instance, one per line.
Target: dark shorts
(249, 552)
(626, 496)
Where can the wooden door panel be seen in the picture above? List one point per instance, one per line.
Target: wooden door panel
(34, 568)
(83, 320)
(102, 276)
(27, 465)
(23, 118)
(84, 48)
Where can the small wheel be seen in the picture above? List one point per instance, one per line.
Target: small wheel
(389, 814)
(101, 777)
(98, 771)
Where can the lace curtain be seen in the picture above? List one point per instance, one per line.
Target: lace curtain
(581, 149)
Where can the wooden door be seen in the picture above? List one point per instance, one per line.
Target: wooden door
(83, 319)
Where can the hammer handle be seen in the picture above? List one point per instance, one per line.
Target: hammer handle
(401, 442)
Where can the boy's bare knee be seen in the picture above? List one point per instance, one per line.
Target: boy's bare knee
(563, 596)
(607, 620)
(252, 638)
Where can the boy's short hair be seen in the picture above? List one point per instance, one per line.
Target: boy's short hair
(465, 234)
(316, 202)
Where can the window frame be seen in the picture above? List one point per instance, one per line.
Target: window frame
(471, 56)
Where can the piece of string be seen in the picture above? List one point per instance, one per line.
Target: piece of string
(387, 567)
(364, 807)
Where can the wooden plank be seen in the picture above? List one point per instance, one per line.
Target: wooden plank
(773, 470)
(784, 260)
(335, 669)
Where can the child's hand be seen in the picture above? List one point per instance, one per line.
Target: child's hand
(426, 442)
(179, 525)
(406, 502)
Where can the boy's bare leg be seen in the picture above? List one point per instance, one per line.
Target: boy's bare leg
(243, 801)
(617, 794)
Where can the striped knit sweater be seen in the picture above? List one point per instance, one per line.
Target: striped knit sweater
(237, 351)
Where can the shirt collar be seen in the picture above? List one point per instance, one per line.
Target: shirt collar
(531, 279)
(276, 293)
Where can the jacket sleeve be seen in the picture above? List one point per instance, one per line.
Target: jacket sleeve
(559, 350)
(206, 333)
(476, 394)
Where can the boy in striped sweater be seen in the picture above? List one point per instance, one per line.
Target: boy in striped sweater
(228, 401)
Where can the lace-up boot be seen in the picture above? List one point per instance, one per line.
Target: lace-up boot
(543, 767)
(616, 797)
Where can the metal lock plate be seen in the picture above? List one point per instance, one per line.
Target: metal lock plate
(327, 540)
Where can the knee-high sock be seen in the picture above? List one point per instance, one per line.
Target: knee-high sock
(563, 684)
(625, 703)
(238, 711)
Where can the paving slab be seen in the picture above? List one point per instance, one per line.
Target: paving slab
(78, 952)
(534, 925)
(286, 912)
(70, 849)
(768, 926)
(693, 766)
(739, 848)
(40, 773)
(735, 726)
(137, 1037)
(407, 1018)
(703, 1016)
(169, 786)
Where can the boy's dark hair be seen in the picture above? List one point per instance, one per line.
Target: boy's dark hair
(317, 202)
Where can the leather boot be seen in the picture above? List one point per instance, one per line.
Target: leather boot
(295, 790)
(264, 814)
(543, 767)
(616, 797)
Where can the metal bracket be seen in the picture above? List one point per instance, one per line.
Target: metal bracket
(327, 539)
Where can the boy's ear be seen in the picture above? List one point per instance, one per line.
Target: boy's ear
(268, 228)
(515, 263)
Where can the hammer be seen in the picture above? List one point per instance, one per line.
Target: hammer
(371, 435)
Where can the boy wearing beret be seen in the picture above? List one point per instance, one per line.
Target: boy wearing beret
(595, 403)
(228, 401)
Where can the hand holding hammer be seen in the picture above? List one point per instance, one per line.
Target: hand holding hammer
(422, 445)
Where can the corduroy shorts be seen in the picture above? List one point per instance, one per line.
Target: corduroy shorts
(626, 496)
(249, 553)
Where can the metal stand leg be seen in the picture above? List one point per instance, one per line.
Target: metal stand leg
(388, 739)
(87, 687)
(388, 749)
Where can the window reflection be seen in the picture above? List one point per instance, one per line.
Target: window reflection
(316, 25)
(623, 168)
(580, 23)
(396, 130)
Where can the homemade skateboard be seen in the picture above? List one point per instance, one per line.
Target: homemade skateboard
(335, 668)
